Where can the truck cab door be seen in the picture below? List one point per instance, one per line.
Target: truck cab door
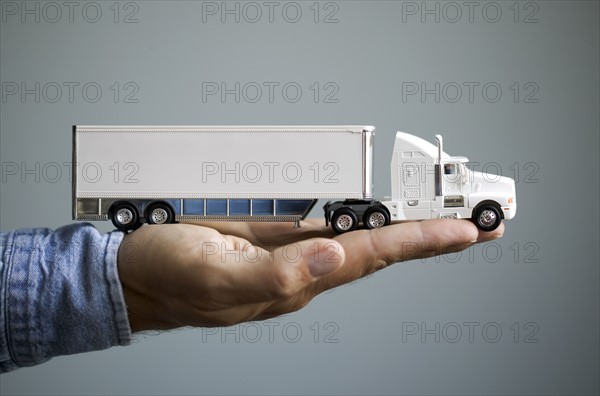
(410, 182)
(414, 202)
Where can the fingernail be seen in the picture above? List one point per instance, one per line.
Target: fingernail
(324, 261)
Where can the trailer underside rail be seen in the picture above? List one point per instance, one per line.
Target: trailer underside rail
(283, 210)
(245, 209)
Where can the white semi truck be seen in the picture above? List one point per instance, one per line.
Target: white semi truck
(164, 174)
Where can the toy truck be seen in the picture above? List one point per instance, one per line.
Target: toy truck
(164, 174)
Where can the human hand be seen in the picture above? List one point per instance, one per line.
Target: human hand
(223, 273)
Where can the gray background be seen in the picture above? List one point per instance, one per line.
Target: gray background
(543, 275)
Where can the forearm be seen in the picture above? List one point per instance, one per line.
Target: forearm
(59, 294)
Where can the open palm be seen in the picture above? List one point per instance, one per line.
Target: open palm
(223, 273)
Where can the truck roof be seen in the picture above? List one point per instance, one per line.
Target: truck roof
(408, 142)
(225, 128)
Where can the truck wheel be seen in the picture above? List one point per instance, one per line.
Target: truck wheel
(124, 216)
(487, 218)
(344, 220)
(376, 217)
(159, 213)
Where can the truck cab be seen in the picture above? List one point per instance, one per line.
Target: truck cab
(429, 183)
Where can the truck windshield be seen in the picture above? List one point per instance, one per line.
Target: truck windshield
(451, 169)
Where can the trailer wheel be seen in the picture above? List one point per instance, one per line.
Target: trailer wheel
(344, 220)
(124, 216)
(376, 217)
(159, 213)
(487, 218)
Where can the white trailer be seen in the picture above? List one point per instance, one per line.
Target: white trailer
(162, 174)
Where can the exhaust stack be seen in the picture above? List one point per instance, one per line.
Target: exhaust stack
(438, 166)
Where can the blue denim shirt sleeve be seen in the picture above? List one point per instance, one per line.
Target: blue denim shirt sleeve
(59, 294)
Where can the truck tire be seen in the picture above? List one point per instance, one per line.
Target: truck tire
(376, 217)
(124, 216)
(159, 213)
(344, 220)
(487, 217)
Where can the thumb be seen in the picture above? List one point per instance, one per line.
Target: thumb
(323, 256)
(298, 264)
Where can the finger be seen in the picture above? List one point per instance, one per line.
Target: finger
(491, 235)
(271, 234)
(370, 250)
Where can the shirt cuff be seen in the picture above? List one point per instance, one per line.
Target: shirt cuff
(59, 294)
